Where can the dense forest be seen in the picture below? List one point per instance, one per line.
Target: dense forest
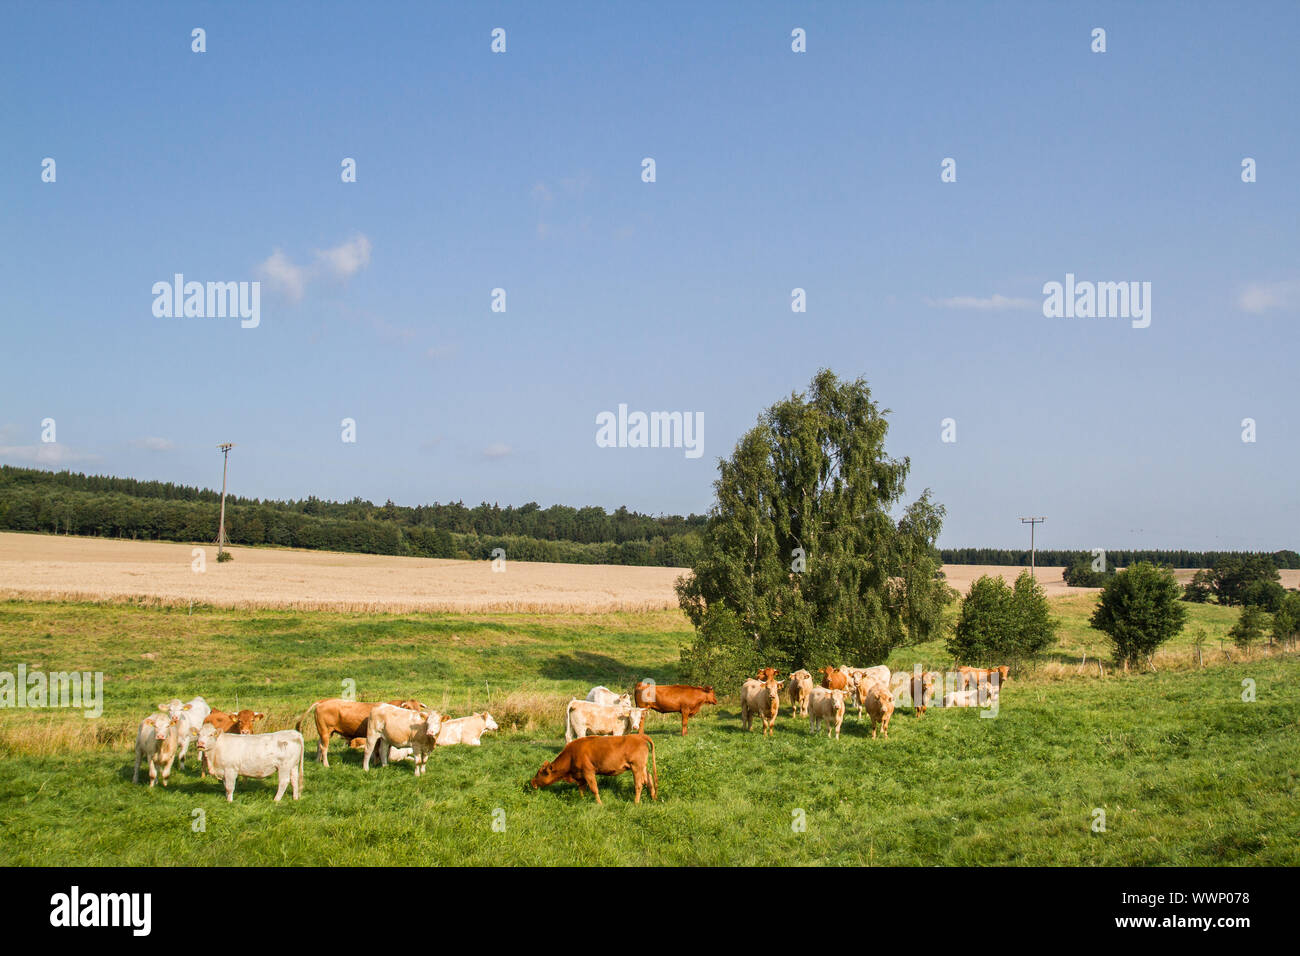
(71, 503)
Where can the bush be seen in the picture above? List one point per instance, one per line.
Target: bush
(224, 556)
(1140, 610)
(1000, 624)
(1249, 627)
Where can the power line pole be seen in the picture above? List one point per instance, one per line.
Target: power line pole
(1033, 523)
(221, 527)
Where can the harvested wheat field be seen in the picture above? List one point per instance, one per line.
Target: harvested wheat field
(80, 569)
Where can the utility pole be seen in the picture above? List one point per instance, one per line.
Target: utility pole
(221, 528)
(1033, 523)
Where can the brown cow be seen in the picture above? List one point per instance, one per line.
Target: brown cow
(224, 722)
(981, 676)
(673, 699)
(349, 719)
(766, 674)
(880, 706)
(582, 759)
(834, 680)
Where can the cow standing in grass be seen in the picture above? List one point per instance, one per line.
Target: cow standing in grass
(673, 699)
(156, 741)
(582, 760)
(762, 698)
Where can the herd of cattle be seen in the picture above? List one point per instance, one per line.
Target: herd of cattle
(604, 734)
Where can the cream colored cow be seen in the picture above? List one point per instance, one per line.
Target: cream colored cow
(399, 727)
(826, 706)
(799, 685)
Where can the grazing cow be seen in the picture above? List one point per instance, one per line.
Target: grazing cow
(762, 698)
(673, 699)
(156, 742)
(582, 717)
(799, 684)
(189, 718)
(582, 759)
(880, 706)
(347, 718)
(230, 756)
(603, 695)
(826, 705)
(399, 727)
(466, 730)
(833, 679)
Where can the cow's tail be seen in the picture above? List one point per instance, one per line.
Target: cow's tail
(306, 714)
(653, 762)
(568, 722)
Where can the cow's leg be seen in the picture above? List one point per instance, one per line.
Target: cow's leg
(638, 779)
(185, 748)
(371, 740)
(590, 777)
(295, 777)
(686, 715)
(153, 773)
(323, 749)
(281, 784)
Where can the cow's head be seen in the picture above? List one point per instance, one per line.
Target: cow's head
(245, 719)
(545, 776)
(162, 725)
(637, 717)
(173, 707)
(709, 696)
(489, 723)
(765, 674)
(414, 705)
(208, 735)
(432, 723)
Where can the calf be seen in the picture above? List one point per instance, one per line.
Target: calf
(399, 727)
(189, 718)
(603, 695)
(826, 705)
(466, 730)
(880, 706)
(583, 759)
(156, 742)
(347, 718)
(762, 698)
(230, 756)
(673, 699)
(962, 698)
(582, 717)
(798, 685)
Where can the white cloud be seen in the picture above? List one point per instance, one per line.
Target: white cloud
(339, 262)
(984, 303)
(496, 450)
(153, 444)
(46, 453)
(1260, 297)
(283, 276)
(346, 259)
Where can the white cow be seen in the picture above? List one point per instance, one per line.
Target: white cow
(230, 756)
(189, 718)
(603, 695)
(463, 730)
(962, 698)
(156, 742)
(826, 705)
(584, 717)
(398, 727)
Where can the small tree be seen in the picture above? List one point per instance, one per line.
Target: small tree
(1286, 622)
(1249, 627)
(1001, 624)
(1200, 588)
(1139, 610)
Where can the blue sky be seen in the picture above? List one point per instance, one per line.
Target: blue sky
(775, 170)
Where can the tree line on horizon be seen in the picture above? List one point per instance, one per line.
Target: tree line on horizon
(67, 502)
